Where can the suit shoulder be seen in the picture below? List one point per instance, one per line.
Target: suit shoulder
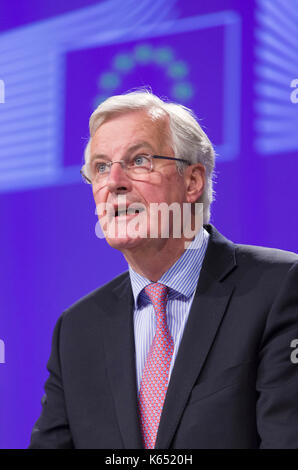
(259, 255)
(93, 299)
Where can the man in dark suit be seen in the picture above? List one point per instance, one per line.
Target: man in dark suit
(192, 347)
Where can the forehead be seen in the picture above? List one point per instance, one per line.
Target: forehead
(121, 131)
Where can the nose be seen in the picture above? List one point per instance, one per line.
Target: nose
(118, 181)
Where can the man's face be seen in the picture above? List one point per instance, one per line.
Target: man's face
(120, 138)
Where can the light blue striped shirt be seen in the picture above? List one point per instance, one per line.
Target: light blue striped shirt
(182, 279)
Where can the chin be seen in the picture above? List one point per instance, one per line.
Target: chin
(125, 243)
(121, 236)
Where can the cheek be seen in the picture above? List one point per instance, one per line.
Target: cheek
(100, 203)
(100, 196)
(175, 191)
(156, 196)
(168, 191)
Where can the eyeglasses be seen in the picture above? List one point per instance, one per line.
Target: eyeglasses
(137, 167)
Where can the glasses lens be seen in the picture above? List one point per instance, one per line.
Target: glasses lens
(137, 167)
(98, 169)
(139, 164)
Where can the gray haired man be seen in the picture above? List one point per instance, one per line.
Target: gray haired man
(191, 347)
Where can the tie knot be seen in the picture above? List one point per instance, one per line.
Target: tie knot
(158, 294)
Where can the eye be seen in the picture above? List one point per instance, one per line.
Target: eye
(100, 167)
(139, 160)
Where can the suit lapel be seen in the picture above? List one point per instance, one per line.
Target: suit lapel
(207, 310)
(120, 359)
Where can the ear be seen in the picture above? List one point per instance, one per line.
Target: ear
(195, 176)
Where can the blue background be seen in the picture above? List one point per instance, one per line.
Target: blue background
(231, 61)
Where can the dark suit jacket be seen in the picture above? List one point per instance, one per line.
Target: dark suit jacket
(233, 384)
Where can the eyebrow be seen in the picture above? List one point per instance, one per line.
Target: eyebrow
(133, 148)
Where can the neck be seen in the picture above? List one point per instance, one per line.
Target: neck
(153, 261)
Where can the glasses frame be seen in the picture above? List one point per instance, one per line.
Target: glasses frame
(123, 164)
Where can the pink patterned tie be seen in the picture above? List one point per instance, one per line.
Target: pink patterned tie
(156, 371)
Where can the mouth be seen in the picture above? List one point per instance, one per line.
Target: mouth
(127, 211)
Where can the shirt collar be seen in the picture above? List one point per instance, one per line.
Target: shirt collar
(183, 276)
